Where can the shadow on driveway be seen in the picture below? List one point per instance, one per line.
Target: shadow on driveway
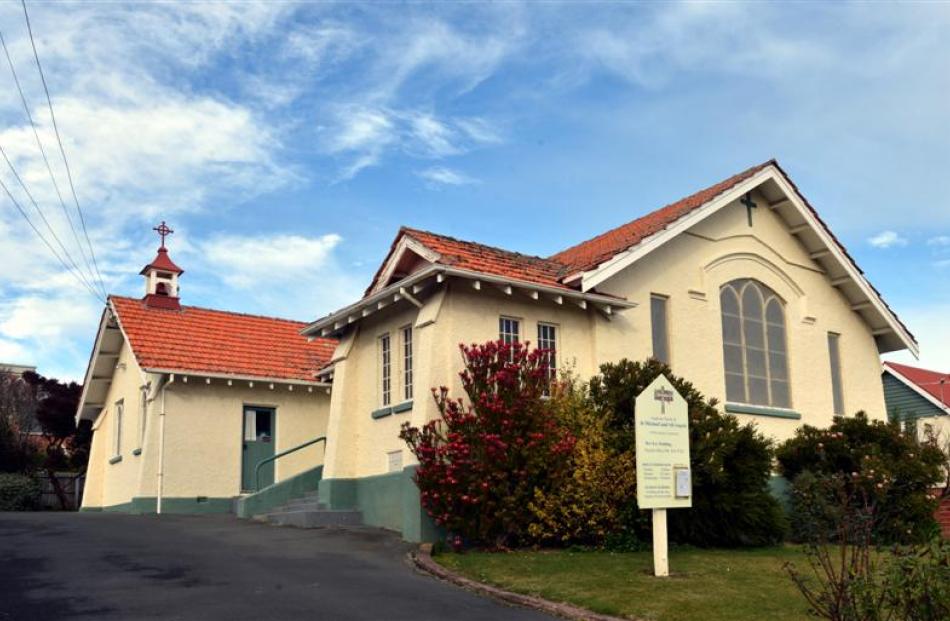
(112, 566)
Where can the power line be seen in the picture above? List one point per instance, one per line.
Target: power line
(39, 211)
(62, 151)
(26, 217)
(39, 144)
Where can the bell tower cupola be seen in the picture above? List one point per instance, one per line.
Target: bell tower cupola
(161, 276)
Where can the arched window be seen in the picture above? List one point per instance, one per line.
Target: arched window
(753, 344)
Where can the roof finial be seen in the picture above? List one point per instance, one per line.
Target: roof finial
(163, 230)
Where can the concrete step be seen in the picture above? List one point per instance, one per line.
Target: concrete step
(315, 519)
(303, 503)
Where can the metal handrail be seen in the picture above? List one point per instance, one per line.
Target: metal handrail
(261, 463)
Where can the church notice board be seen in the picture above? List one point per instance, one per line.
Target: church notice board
(662, 434)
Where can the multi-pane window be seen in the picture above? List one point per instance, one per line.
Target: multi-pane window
(117, 428)
(407, 363)
(754, 344)
(385, 365)
(834, 354)
(660, 328)
(547, 340)
(509, 330)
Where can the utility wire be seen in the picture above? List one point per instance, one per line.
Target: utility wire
(42, 216)
(39, 144)
(26, 217)
(62, 151)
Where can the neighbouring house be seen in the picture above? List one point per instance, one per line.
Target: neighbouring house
(740, 287)
(918, 398)
(187, 401)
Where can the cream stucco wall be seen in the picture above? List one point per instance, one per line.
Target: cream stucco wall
(689, 270)
(203, 434)
(109, 484)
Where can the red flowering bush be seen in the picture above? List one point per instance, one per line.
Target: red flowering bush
(480, 464)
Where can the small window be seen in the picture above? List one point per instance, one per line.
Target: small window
(547, 340)
(834, 355)
(659, 325)
(117, 428)
(509, 330)
(407, 363)
(385, 362)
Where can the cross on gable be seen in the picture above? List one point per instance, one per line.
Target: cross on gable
(163, 230)
(749, 204)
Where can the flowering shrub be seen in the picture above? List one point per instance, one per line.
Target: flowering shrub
(480, 464)
(872, 457)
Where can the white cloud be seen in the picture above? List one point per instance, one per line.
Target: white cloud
(887, 239)
(440, 175)
(286, 275)
(939, 240)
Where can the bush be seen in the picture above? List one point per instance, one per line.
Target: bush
(590, 505)
(918, 582)
(479, 466)
(19, 492)
(874, 457)
(731, 466)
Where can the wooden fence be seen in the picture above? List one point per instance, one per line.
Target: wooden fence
(72, 485)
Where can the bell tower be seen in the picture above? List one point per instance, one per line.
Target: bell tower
(161, 276)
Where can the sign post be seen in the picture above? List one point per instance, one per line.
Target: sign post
(663, 474)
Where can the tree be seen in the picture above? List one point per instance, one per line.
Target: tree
(55, 413)
(17, 410)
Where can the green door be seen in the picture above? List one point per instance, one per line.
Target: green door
(258, 444)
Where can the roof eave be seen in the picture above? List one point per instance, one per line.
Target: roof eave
(237, 377)
(591, 278)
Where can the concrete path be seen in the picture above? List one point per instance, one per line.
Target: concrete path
(111, 566)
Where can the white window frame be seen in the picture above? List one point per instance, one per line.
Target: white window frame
(544, 341)
(407, 355)
(385, 369)
(505, 333)
(118, 410)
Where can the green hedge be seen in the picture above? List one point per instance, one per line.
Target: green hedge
(19, 492)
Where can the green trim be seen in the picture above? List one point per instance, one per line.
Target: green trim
(740, 408)
(279, 493)
(405, 406)
(137, 451)
(386, 500)
(149, 504)
(115, 460)
(90, 509)
(380, 413)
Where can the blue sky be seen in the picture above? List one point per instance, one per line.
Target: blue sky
(286, 143)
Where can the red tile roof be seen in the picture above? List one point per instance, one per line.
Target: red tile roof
(201, 340)
(591, 253)
(163, 262)
(484, 259)
(928, 381)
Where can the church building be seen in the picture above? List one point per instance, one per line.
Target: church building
(741, 288)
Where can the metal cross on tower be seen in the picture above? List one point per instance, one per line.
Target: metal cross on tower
(749, 204)
(163, 230)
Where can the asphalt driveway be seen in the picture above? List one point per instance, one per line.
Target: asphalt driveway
(110, 566)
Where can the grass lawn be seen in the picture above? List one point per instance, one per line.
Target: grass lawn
(712, 585)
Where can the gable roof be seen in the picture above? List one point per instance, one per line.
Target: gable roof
(201, 340)
(475, 257)
(932, 385)
(591, 253)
